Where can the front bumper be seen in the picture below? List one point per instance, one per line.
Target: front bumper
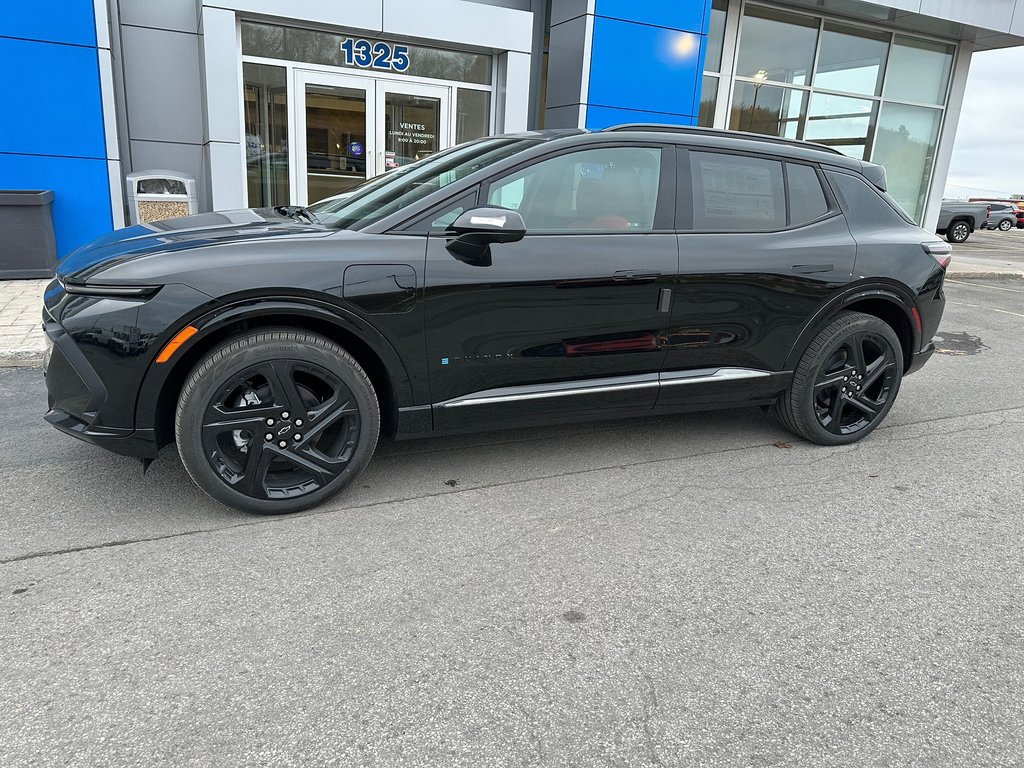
(76, 394)
(919, 359)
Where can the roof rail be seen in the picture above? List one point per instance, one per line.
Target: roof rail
(699, 131)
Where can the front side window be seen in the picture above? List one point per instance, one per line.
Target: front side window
(606, 189)
(388, 194)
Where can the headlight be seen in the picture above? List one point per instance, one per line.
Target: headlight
(112, 291)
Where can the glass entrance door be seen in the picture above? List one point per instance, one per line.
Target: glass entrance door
(334, 147)
(349, 129)
(413, 123)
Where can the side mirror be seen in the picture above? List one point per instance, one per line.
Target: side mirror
(470, 236)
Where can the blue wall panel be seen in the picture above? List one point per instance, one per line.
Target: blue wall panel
(57, 109)
(81, 193)
(688, 15)
(603, 117)
(51, 131)
(56, 21)
(647, 63)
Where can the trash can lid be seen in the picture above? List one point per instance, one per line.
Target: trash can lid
(26, 196)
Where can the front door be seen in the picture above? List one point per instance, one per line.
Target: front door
(349, 129)
(569, 321)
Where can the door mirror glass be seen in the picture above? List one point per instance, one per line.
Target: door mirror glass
(471, 235)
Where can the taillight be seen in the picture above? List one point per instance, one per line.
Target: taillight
(939, 251)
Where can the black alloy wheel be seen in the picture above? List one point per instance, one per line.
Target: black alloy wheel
(1005, 225)
(276, 421)
(958, 232)
(846, 381)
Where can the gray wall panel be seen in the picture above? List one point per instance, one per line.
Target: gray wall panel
(565, 62)
(179, 15)
(162, 85)
(188, 158)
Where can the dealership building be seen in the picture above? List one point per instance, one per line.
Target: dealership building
(268, 102)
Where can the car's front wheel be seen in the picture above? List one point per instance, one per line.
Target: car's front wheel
(846, 381)
(958, 232)
(276, 421)
(1005, 225)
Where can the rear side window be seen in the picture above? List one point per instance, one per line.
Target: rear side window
(736, 193)
(865, 208)
(807, 200)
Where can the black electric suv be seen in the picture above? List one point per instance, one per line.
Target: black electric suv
(516, 280)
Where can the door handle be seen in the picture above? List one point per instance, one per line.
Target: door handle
(636, 275)
(810, 269)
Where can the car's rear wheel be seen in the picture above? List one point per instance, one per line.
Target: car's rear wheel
(846, 381)
(958, 232)
(1005, 225)
(276, 421)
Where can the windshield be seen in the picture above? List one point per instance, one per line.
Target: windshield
(383, 195)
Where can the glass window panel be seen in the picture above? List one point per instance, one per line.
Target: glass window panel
(708, 95)
(734, 193)
(807, 200)
(768, 109)
(316, 47)
(919, 71)
(841, 122)
(335, 140)
(851, 59)
(716, 36)
(906, 147)
(265, 104)
(777, 46)
(595, 189)
(472, 115)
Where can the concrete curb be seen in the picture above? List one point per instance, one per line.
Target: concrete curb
(985, 275)
(21, 358)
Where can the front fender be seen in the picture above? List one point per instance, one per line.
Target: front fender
(212, 324)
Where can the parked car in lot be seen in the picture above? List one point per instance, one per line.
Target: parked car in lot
(957, 221)
(516, 280)
(1002, 216)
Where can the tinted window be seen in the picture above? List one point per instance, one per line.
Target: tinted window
(807, 200)
(597, 189)
(735, 193)
(864, 206)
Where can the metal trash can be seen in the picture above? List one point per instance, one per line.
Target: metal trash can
(155, 195)
(28, 247)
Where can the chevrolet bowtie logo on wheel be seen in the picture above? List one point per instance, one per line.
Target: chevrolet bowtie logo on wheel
(284, 430)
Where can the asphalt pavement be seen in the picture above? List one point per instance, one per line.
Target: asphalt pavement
(694, 590)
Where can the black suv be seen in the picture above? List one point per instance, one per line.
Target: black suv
(523, 279)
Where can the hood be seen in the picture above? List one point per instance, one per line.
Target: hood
(200, 230)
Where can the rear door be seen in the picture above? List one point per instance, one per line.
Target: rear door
(762, 246)
(570, 321)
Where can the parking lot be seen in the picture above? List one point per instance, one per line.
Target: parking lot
(695, 590)
(991, 251)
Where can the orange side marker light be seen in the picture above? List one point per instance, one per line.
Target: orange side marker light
(180, 338)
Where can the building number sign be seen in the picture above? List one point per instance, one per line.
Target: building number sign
(379, 55)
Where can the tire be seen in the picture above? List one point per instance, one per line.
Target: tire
(958, 232)
(276, 421)
(827, 403)
(1005, 225)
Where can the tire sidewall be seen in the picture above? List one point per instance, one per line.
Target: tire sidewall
(958, 226)
(802, 398)
(1005, 225)
(231, 359)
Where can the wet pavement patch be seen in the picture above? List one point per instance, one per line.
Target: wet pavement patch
(574, 616)
(952, 343)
